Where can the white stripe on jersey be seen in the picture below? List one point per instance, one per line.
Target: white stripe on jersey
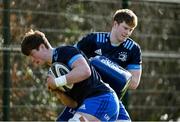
(102, 37)
(128, 44)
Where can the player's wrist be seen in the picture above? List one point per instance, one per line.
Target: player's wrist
(60, 81)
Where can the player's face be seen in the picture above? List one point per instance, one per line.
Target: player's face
(38, 56)
(123, 31)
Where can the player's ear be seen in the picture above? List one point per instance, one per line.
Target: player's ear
(115, 23)
(41, 46)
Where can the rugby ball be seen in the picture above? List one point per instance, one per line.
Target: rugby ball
(58, 69)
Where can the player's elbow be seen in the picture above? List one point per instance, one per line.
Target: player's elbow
(86, 72)
(133, 85)
(136, 76)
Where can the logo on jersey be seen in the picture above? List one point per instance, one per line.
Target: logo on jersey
(122, 56)
(99, 52)
(55, 55)
(72, 111)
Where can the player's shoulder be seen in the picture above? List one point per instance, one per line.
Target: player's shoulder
(101, 37)
(96, 37)
(130, 44)
(101, 33)
(95, 34)
(67, 48)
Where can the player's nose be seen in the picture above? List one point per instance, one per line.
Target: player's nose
(33, 60)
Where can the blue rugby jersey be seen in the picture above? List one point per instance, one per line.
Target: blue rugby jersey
(87, 88)
(127, 54)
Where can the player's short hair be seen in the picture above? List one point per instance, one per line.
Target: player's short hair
(32, 40)
(126, 15)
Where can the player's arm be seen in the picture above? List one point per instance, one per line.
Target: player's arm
(135, 67)
(136, 76)
(80, 71)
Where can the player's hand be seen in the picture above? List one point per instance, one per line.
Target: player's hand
(50, 82)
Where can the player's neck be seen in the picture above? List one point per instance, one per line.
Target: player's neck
(114, 41)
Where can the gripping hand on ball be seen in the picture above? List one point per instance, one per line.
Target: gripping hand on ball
(51, 82)
(56, 82)
(57, 77)
(64, 99)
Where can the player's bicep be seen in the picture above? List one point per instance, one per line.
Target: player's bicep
(79, 63)
(80, 69)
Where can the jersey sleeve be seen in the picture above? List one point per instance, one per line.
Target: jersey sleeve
(69, 54)
(87, 44)
(136, 59)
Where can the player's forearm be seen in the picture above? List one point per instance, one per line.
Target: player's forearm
(136, 76)
(133, 84)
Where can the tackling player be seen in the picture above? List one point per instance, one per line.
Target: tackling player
(96, 101)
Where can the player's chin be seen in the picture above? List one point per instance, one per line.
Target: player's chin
(41, 63)
(123, 38)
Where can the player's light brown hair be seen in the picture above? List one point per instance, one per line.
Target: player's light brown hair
(126, 15)
(32, 40)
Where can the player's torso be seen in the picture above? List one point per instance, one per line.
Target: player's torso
(86, 88)
(101, 46)
(117, 54)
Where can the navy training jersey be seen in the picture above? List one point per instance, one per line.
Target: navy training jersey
(87, 88)
(127, 54)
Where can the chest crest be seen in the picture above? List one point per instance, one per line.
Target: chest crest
(122, 56)
(55, 55)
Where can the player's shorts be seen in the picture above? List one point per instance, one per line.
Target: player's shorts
(123, 114)
(104, 107)
(69, 113)
(66, 114)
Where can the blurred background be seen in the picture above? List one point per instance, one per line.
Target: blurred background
(24, 96)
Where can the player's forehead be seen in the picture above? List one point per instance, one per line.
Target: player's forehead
(124, 24)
